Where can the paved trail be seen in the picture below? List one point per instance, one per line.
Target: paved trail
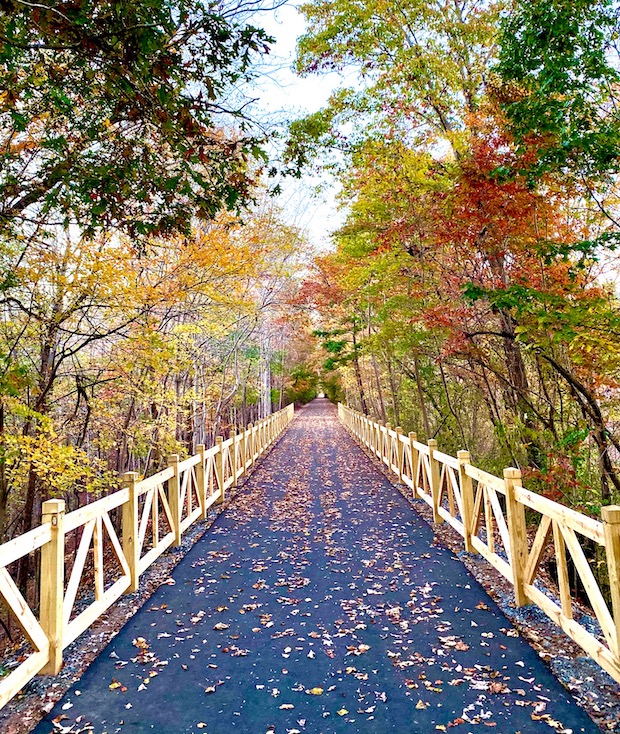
(318, 604)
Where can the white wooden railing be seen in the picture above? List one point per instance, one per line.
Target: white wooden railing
(489, 513)
(154, 512)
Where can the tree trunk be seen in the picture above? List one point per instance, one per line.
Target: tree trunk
(418, 382)
(394, 391)
(358, 375)
(519, 389)
(375, 368)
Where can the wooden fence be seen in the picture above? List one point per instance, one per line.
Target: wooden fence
(152, 514)
(489, 513)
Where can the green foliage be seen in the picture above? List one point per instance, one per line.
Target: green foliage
(331, 385)
(418, 70)
(109, 113)
(302, 386)
(559, 66)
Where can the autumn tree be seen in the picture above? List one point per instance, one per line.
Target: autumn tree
(558, 83)
(113, 114)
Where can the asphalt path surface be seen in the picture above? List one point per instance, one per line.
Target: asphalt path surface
(317, 604)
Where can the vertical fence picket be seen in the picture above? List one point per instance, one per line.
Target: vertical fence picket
(435, 479)
(611, 528)
(174, 498)
(219, 468)
(467, 497)
(517, 533)
(400, 450)
(130, 530)
(201, 481)
(53, 583)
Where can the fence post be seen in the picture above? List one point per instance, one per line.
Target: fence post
(201, 480)
(467, 496)
(174, 498)
(415, 458)
(388, 445)
(130, 530)
(400, 448)
(53, 583)
(435, 480)
(235, 455)
(611, 528)
(517, 533)
(251, 437)
(243, 450)
(219, 468)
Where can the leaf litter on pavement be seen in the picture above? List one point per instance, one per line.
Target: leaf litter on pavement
(318, 603)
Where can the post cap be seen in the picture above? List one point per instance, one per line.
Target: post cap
(611, 514)
(54, 506)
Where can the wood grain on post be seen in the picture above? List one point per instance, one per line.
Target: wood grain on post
(467, 496)
(243, 453)
(562, 569)
(53, 584)
(611, 528)
(251, 443)
(435, 480)
(174, 498)
(219, 468)
(130, 522)
(517, 534)
(235, 455)
(387, 457)
(98, 558)
(201, 480)
(414, 459)
(400, 451)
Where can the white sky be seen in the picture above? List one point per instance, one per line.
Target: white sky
(284, 96)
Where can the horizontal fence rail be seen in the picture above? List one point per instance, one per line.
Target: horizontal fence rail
(490, 514)
(154, 513)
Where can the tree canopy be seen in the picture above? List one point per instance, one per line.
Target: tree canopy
(477, 151)
(120, 114)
